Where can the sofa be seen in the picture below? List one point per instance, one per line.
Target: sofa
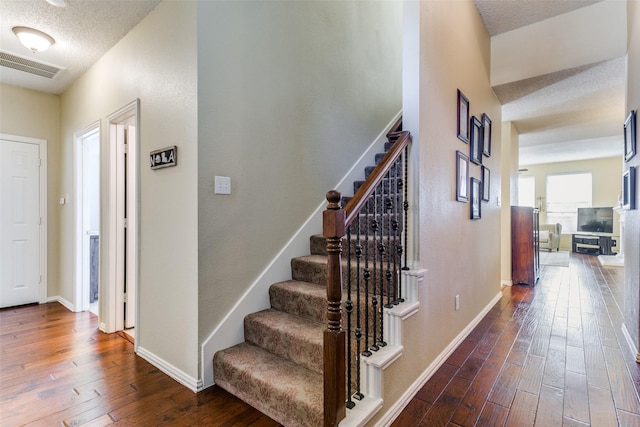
(550, 236)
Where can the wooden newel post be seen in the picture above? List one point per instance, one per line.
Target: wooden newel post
(333, 227)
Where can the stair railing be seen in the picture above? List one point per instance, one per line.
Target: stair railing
(374, 223)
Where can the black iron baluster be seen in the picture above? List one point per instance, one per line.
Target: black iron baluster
(381, 251)
(348, 305)
(374, 297)
(388, 204)
(405, 205)
(358, 330)
(396, 233)
(366, 275)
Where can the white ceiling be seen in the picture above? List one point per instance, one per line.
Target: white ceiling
(84, 31)
(572, 113)
(564, 94)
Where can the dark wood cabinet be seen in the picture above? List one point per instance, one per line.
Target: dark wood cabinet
(525, 245)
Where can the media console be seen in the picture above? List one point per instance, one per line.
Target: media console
(593, 244)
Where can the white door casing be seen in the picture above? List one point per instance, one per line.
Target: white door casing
(122, 213)
(22, 220)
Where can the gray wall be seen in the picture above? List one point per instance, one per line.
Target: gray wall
(290, 94)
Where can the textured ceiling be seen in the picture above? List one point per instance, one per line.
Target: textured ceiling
(500, 16)
(572, 114)
(84, 30)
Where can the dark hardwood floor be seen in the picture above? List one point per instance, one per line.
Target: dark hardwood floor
(553, 355)
(57, 369)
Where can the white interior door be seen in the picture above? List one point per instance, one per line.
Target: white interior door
(20, 222)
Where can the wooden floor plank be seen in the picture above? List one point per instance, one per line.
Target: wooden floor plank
(532, 374)
(523, 410)
(601, 407)
(576, 397)
(550, 407)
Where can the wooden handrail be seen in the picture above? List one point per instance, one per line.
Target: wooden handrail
(335, 223)
(355, 205)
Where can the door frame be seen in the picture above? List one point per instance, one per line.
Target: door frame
(113, 301)
(81, 297)
(43, 190)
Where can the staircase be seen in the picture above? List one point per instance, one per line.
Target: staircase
(278, 369)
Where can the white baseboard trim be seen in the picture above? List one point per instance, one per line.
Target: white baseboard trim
(630, 343)
(404, 400)
(62, 301)
(506, 283)
(230, 330)
(186, 380)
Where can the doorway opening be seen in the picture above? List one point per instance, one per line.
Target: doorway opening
(122, 252)
(87, 186)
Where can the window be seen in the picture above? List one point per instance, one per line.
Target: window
(526, 191)
(565, 194)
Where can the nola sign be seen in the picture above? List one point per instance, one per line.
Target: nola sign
(164, 158)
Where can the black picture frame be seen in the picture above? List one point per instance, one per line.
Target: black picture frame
(476, 141)
(463, 117)
(629, 188)
(630, 136)
(486, 183)
(476, 196)
(486, 135)
(462, 177)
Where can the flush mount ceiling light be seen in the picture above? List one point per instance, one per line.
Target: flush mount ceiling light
(32, 39)
(57, 3)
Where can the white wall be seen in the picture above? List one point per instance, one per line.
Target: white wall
(509, 195)
(155, 63)
(290, 94)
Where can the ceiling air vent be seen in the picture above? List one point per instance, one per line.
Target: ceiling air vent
(28, 66)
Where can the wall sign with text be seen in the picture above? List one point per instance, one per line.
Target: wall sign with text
(164, 158)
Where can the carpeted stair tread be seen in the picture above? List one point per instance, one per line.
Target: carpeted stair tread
(318, 245)
(292, 337)
(288, 393)
(309, 300)
(313, 268)
(304, 299)
(309, 268)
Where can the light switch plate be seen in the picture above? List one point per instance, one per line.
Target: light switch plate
(222, 185)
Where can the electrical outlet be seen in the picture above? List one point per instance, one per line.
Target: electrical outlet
(222, 185)
(457, 302)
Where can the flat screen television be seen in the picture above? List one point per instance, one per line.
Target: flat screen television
(595, 220)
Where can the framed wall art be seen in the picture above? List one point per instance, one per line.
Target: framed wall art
(463, 117)
(629, 189)
(476, 141)
(486, 144)
(476, 195)
(486, 183)
(630, 136)
(462, 177)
